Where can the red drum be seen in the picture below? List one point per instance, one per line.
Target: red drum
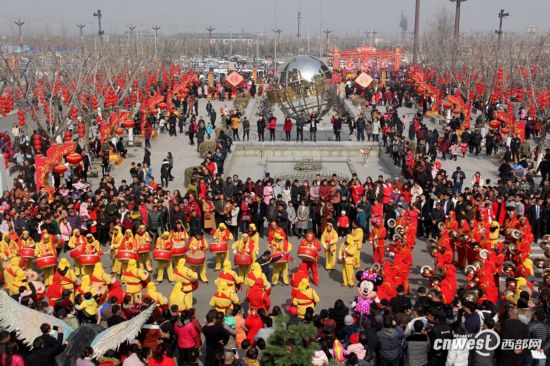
(307, 254)
(46, 262)
(126, 255)
(178, 248)
(195, 258)
(218, 247)
(76, 252)
(144, 248)
(89, 259)
(242, 259)
(27, 253)
(162, 255)
(280, 258)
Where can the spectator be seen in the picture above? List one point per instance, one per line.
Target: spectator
(43, 353)
(160, 358)
(389, 349)
(417, 346)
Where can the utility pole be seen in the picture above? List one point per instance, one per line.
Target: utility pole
(374, 33)
(367, 33)
(19, 25)
(156, 29)
(299, 18)
(320, 28)
(501, 15)
(416, 31)
(457, 19)
(131, 29)
(210, 29)
(277, 34)
(327, 32)
(257, 46)
(100, 31)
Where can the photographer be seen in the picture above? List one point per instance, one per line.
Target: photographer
(43, 350)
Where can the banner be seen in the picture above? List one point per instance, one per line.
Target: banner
(45, 164)
(383, 78)
(363, 80)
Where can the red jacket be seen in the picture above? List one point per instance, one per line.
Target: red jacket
(287, 126)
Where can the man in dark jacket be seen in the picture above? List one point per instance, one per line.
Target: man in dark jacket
(43, 354)
(513, 328)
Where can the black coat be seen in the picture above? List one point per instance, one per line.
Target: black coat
(45, 356)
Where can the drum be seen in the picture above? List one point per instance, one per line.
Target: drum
(46, 262)
(76, 252)
(242, 259)
(27, 253)
(307, 254)
(162, 255)
(144, 248)
(280, 258)
(178, 248)
(126, 255)
(195, 285)
(89, 259)
(218, 247)
(195, 258)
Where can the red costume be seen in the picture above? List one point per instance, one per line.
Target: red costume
(312, 243)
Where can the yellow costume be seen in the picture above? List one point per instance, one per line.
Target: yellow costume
(494, 234)
(255, 237)
(329, 241)
(143, 238)
(116, 239)
(347, 257)
(91, 246)
(222, 235)
(200, 245)
(155, 295)
(128, 243)
(224, 298)
(89, 306)
(8, 249)
(230, 277)
(183, 276)
(177, 297)
(132, 277)
(65, 275)
(255, 273)
(243, 246)
(100, 280)
(280, 247)
(86, 285)
(179, 238)
(357, 234)
(76, 241)
(45, 248)
(14, 276)
(164, 243)
(25, 242)
(305, 297)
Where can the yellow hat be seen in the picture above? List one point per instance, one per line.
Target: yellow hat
(166, 234)
(222, 226)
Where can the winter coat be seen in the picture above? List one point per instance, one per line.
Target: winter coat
(390, 343)
(418, 346)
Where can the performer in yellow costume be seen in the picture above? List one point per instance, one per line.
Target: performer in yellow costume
(143, 240)
(329, 241)
(179, 239)
(357, 234)
(198, 243)
(25, 241)
(116, 240)
(8, 248)
(255, 273)
(305, 297)
(76, 241)
(184, 277)
(153, 294)
(222, 235)
(91, 246)
(230, 277)
(45, 248)
(255, 237)
(494, 234)
(132, 277)
(280, 247)
(128, 243)
(223, 299)
(347, 257)
(244, 246)
(164, 243)
(100, 280)
(14, 276)
(65, 275)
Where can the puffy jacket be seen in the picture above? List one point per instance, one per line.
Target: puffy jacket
(389, 343)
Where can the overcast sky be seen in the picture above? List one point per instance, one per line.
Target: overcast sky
(341, 16)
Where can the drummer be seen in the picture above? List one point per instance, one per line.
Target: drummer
(198, 243)
(164, 243)
(252, 232)
(133, 278)
(311, 242)
(127, 243)
(76, 241)
(222, 235)
(26, 241)
(116, 240)
(91, 246)
(275, 229)
(183, 296)
(144, 240)
(329, 241)
(280, 248)
(245, 246)
(45, 248)
(8, 248)
(230, 277)
(178, 237)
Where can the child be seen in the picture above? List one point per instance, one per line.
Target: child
(209, 130)
(343, 224)
(454, 151)
(463, 149)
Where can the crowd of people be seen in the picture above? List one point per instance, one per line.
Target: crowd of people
(95, 255)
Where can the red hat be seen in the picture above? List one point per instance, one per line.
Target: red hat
(354, 338)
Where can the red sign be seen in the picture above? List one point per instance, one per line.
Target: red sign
(363, 80)
(234, 79)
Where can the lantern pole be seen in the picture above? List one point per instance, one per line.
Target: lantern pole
(156, 29)
(210, 29)
(416, 31)
(501, 15)
(19, 25)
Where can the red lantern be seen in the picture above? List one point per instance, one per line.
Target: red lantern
(73, 158)
(162, 105)
(119, 131)
(447, 105)
(128, 123)
(494, 123)
(456, 111)
(60, 169)
(505, 130)
(81, 130)
(68, 136)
